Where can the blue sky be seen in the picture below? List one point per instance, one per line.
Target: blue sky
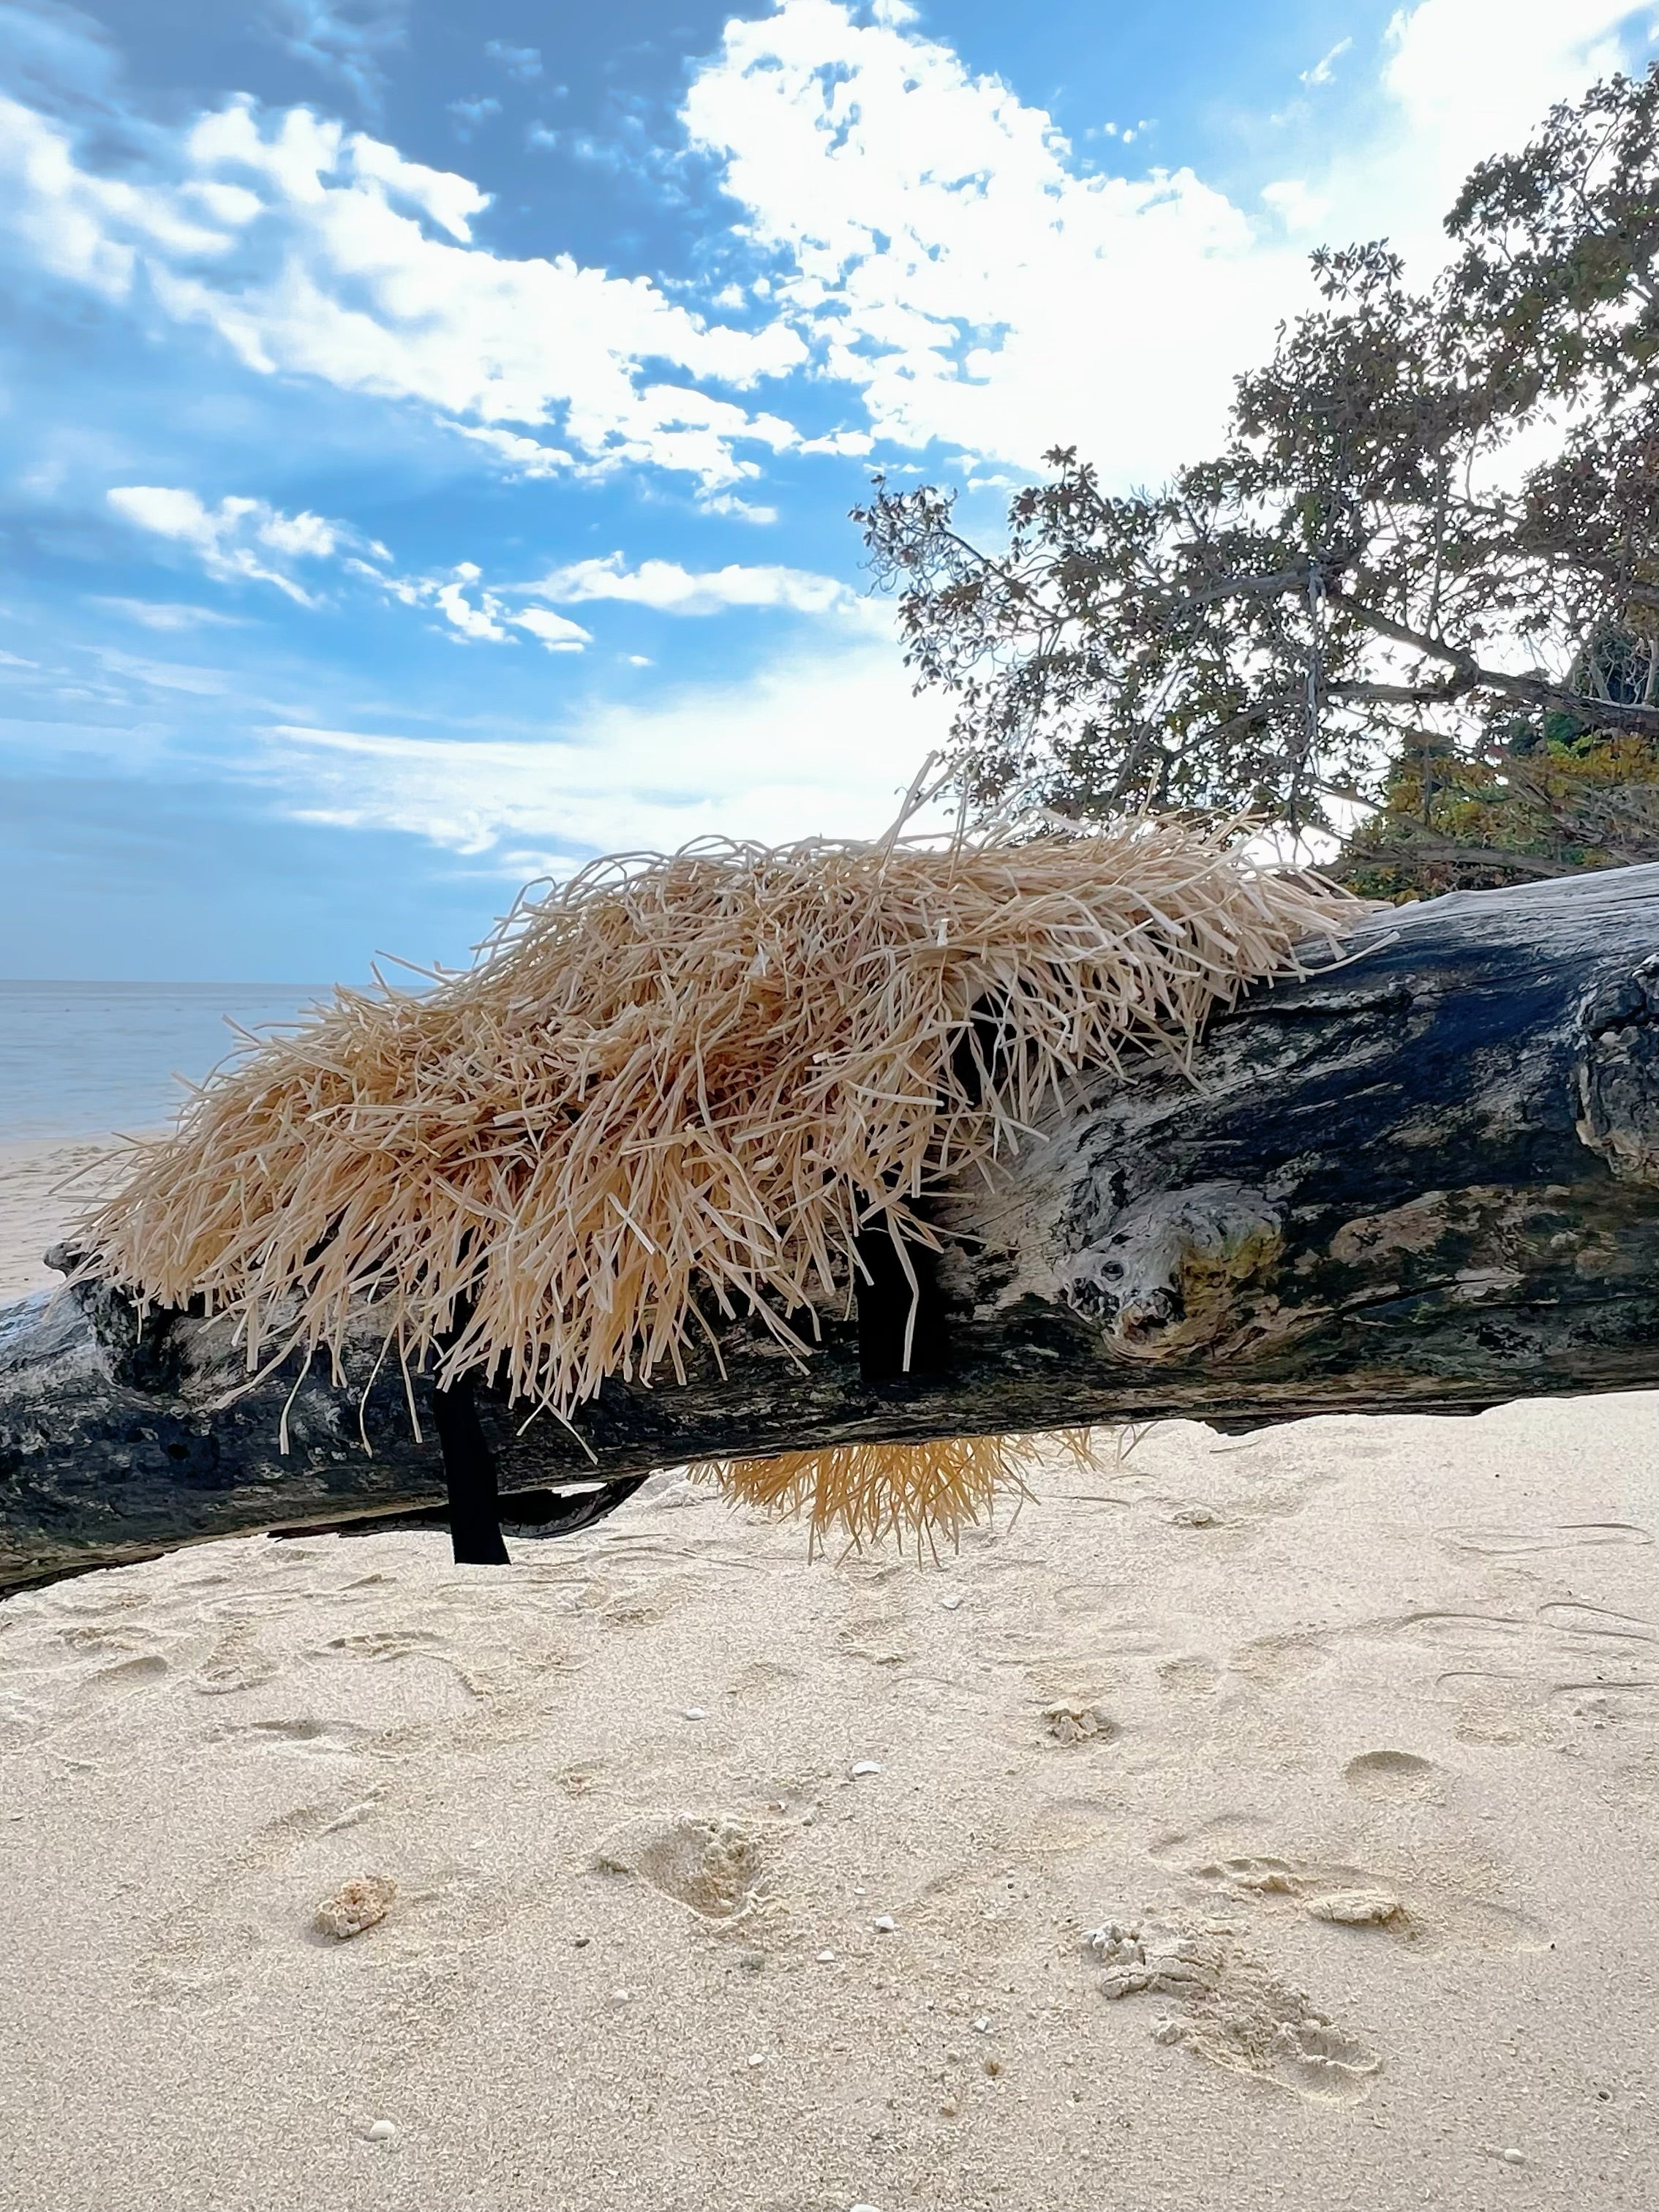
(428, 432)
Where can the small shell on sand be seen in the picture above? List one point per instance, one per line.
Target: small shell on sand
(357, 1904)
(1355, 1908)
(863, 1766)
(384, 2131)
(885, 1925)
(952, 1602)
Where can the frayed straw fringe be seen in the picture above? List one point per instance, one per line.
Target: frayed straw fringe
(868, 1492)
(680, 1086)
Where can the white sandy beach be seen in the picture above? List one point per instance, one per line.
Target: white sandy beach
(41, 1186)
(1349, 1730)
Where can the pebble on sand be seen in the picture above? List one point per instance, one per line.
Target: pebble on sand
(885, 1924)
(951, 1603)
(824, 1957)
(380, 2131)
(695, 1713)
(863, 1766)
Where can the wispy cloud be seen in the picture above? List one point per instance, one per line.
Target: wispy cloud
(524, 63)
(166, 614)
(248, 540)
(469, 114)
(238, 537)
(815, 743)
(1325, 68)
(346, 40)
(670, 588)
(245, 540)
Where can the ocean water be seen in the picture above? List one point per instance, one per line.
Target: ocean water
(79, 1059)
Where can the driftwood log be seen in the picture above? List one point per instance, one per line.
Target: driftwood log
(1426, 1180)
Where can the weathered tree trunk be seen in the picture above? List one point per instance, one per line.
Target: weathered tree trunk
(1426, 1180)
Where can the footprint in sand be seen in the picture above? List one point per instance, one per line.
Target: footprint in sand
(763, 1679)
(1437, 1910)
(49, 1700)
(1345, 1896)
(233, 1666)
(1274, 1661)
(1391, 1774)
(1070, 1824)
(304, 1733)
(710, 1863)
(213, 1936)
(1235, 2011)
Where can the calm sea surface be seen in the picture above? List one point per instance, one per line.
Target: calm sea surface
(79, 1059)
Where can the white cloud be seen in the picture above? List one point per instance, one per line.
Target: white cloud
(469, 114)
(931, 242)
(1299, 209)
(1325, 68)
(342, 38)
(556, 632)
(479, 621)
(940, 247)
(524, 63)
(474, 613)
(234, 539)
(858, 443)
(671, 589)
(521, 457)
(816, 744)
(1468, 78)
(944, 254)
(312, 250)
(735, 509)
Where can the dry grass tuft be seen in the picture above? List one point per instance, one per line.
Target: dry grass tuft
(680, 1086)
(869, 1490)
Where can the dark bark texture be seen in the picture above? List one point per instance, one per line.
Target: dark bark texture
(1426, 1180)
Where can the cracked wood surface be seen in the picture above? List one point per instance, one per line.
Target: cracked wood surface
(1426, 1180)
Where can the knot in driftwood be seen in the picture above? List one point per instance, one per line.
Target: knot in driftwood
(1618, 1072)
(1164, 1280)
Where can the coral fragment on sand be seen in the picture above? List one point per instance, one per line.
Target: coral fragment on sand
(357, 1904)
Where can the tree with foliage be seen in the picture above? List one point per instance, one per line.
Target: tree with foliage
(1417, 591)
